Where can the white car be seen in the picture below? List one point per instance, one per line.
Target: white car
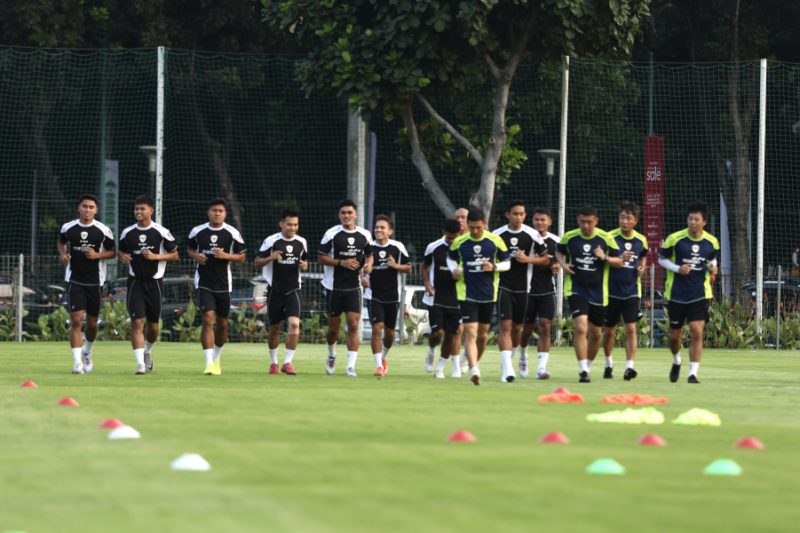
(414, 311)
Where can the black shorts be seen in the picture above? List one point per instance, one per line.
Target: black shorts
(343, 302)
(480, 312)
(282, 306)
(542, 306)
(512, 306)
(219, 302)
(144, 299)
(446, 318)
(578, 305)
(680, 313)
(84, 298)
(380, 312)
(628, 309)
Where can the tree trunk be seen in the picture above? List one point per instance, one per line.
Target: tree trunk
(484, 198)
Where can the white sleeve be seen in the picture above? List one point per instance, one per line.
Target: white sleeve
(503, 266)
(451, 264)
(669, 265)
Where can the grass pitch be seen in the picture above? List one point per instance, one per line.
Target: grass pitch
(320, 453)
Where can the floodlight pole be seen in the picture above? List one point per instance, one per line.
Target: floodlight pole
(562, 186)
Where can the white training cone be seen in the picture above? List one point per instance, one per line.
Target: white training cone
(190, 461)
(123, 432)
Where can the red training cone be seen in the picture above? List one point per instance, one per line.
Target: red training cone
(554, 437)
(28, 385)
(750, 442)
(111, 423)
(651, 439)
(561, 390)
(68, 402)
(461, 436)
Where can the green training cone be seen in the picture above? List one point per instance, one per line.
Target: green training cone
(723, 467)
(605, 466)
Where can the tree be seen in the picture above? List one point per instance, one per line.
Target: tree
(401, 56)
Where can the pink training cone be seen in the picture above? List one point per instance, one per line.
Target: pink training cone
(461, 436)
(651, 439)
(111, 423)
(554, 437)
(68, 402)
(29, 385)
(749, 442)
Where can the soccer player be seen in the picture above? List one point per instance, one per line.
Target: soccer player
(84, 245)
(542, 297)
(444, 314)
(475, 260)
(585, 255)
(625, 290)
(382, 280)
(282, 256)
(145, 247)
(512, 299)
(460, 215)
(345, 249)
(690, 258)
(214, 245)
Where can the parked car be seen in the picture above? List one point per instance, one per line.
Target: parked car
(36, 300)
(413, 310)
(790, 295)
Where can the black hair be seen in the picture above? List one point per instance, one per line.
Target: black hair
(386, 219)
(452, 225)
(348, 203)
(588, 211)
(629, 207)
(542, 211)
(218, 201)
(145, 199)
(475, 214)
(512, 204)
(91, 197)
(289, 213)
(698, 206)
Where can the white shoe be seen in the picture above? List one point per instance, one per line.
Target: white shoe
(429, 363)
(464, 364)
(475, 375)
(78, 369)
(141, 370)
(508, 378)
(542, 374)
(351, 372)
(523, 367)
(439, 374)
(88, 365)
(456, 372)
(330, 365)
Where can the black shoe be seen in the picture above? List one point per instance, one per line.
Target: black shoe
(693, 379)
(608, 372)
(674, 373)
(584, 377)
(629, 374)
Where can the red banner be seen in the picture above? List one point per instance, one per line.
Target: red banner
(654, 200)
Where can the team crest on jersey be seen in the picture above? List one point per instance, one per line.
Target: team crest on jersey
(476, 248)
(142, 238)
(628, 246)
(351, 241)
(214, 239)
(587, 247)
(84, 234)
(289, 248)
(514, 241)
(695, 248)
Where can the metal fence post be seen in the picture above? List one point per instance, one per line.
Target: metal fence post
(778, 310)
(20, 296)
(562, 187)
(652, 305)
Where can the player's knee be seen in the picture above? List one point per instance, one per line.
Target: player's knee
(293, 327)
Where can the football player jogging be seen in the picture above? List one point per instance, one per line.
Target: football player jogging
(512, 299)
(84, 245)
(214, 245)
(281, 257)
(585, 255)
(382, 280)
(690, 258)
(345, 249)
(444, 315)
(145, 247)
(460, 215)
(625, 290)
(475, 260)
(542, 297)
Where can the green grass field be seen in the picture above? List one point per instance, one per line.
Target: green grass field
(319, 453)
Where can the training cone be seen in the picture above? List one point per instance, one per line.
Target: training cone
(111, 423)
(651, 439)
(461, 436)
(605, 467)
(124, 432)
(723, 467)
(561, 390)
(28, 385)
(190, 462)
(554, 437)
(68, 402)
(751, 443)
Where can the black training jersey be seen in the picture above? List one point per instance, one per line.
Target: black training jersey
(543, 281)
(215, 275)
(439, 275)
(624, 282)
(340, 243)
(518, 277)
(682, 249)
(156, 238)
(79, 238)
(384, 281)
(591, 275)
(283, 275)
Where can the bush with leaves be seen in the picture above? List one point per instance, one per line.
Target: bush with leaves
(116, 321)
(8, 325)
(51, 326)
(247, 327)
(188, 325)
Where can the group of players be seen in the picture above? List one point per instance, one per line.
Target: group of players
(469, 274)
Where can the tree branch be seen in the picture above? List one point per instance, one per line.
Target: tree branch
(476, 155)
(521, 45)
(493, 68)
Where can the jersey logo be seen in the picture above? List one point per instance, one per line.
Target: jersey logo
(289, 248)
(514, 241)
(476, 248)
(695, 248)
(351, 241)
(628, 246)
(84, 234)
(214, 239)
(382, 254)
(587, 247)
(142, 237)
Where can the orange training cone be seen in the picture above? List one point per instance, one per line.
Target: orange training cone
(561, 390)
(554, 437)
(750, 442)
(111, 423)
(28, 385)
(651, 439)
(68, 402)
(461, 436)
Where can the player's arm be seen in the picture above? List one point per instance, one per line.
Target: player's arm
(561, 259)
(533, 258)
(192, 250)
(63, 253)
(238, 257)
(502, 257)
(327, 260)
(403, 266)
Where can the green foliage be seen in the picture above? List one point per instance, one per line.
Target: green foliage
(642, 332)
(311, 331)
(412, 328)
(188, 324)
(52, 326)
(8, 325)
(247, 327)
(116, 321)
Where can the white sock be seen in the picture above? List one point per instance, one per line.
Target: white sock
(505, 361)
(216, 353)
(543, 358)
(138, 354)
(385, 352)
(629, 363)
(456, 361)
(273, 356)
(440, 364)
(148, 346)
(475, 371)
(589, 364)
(351, 359)
(583, 365)
(431, 351)
(289, 356)
(513, 352)
(208, 355)
(378, 359)
(610, 362)
(76, 355)
(523, 352)
(87, 346)
(676, 358)
(693, 367)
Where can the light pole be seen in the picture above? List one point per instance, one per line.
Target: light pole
(550, 156)
(149, 152)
